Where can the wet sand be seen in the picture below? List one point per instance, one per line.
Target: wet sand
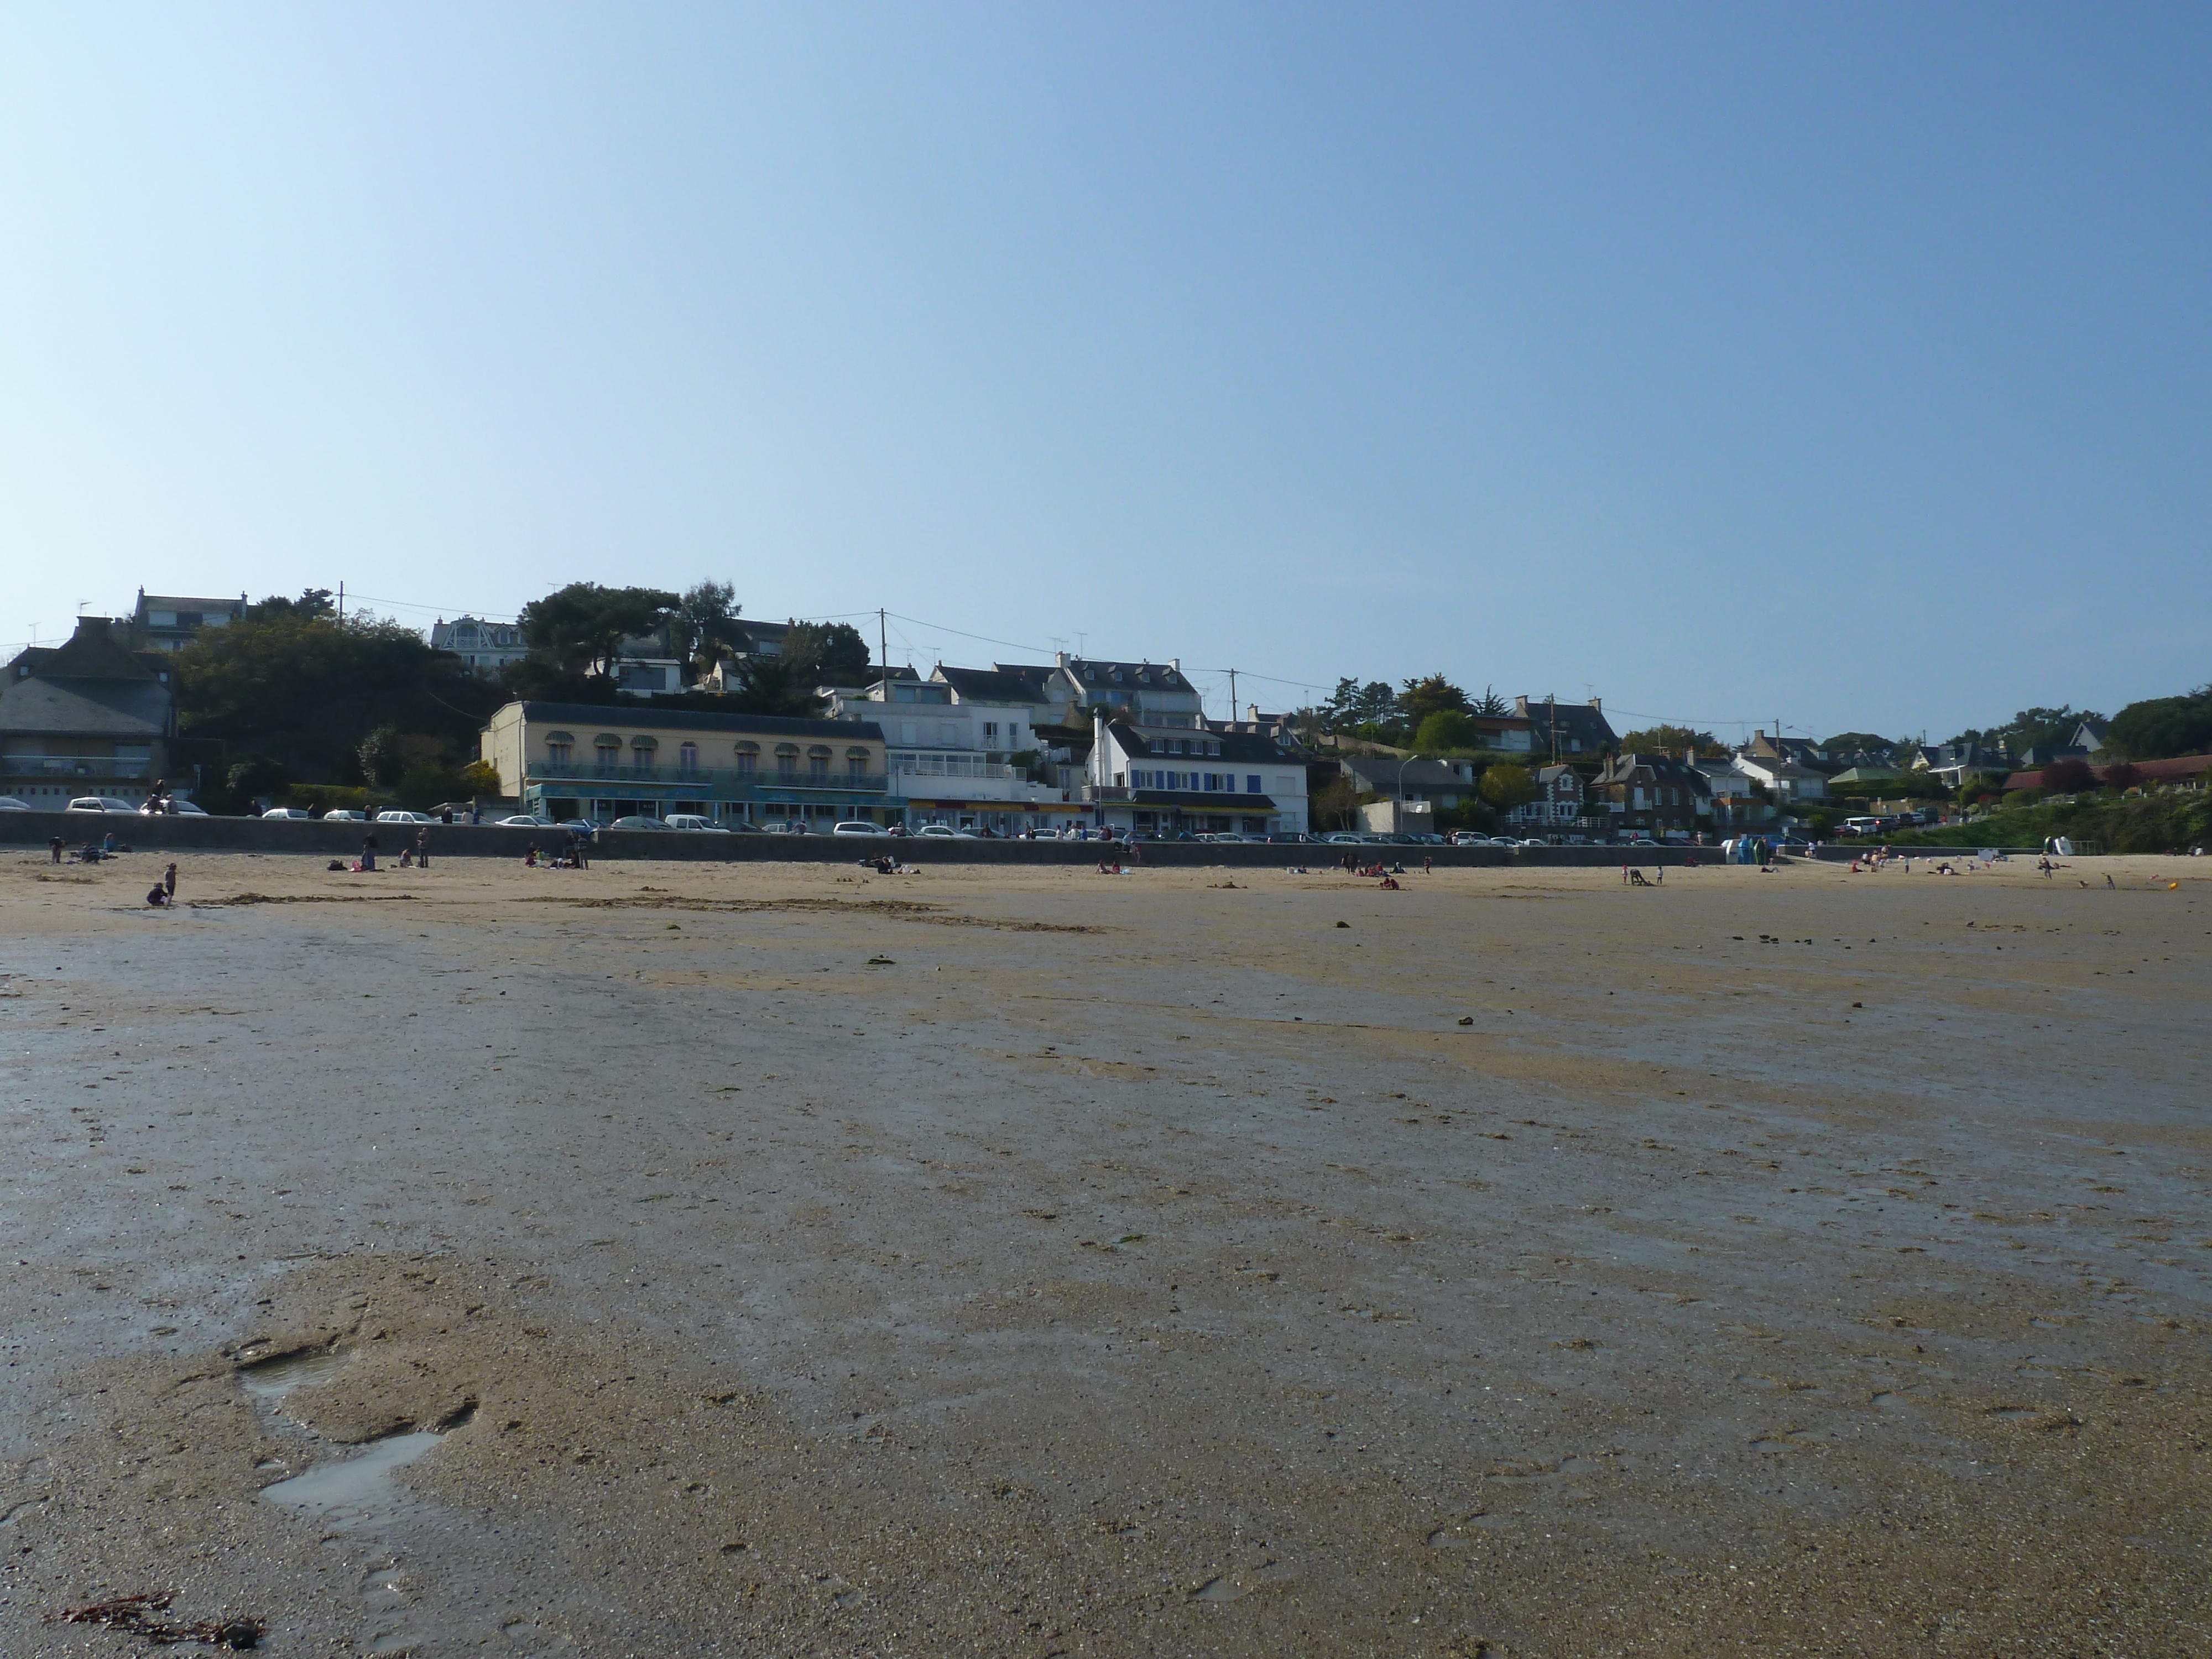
(787, 1261)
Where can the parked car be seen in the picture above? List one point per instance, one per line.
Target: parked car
(858, 827)
(524, 821)
(101, 803)
(345, 815)
(182, 809)
(395, 816)
(1427, 838)
(638, 821)
(14, 804)
(786, 826)
(1633, 841)
(696, 824)
(297, 813)
(945, 832)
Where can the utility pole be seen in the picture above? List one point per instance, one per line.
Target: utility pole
(1551, 724)
(341, 602)
(1232, 697)
(883, 647)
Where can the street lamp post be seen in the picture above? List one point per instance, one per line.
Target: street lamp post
(1400, 792)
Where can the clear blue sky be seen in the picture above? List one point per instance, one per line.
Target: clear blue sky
(1846, 365)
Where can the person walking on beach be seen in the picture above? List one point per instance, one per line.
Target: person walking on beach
(54, 845)
(368, 851)
(169, 883)
(423, 848)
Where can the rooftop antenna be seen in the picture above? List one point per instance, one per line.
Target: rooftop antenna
(1081, 649)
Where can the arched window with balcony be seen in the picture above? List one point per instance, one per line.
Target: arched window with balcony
(643, 753)
(606, 752)
(687, 760)
(787, 760)
(560, 747)
(748, 759)
(818, 760)
(856, 763)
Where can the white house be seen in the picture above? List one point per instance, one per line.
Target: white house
(1785, 780)
(1174, 780)
(952, 757)
(485, 647)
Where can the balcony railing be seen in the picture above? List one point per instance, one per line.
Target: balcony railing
(724, 783)
(76, 766)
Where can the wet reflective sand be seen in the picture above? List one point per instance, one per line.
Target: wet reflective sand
(790, 1261)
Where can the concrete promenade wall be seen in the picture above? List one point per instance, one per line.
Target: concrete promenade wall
(329, 840)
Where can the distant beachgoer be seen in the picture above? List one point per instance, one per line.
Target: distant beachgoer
(530, 859)
(368, 851)
(156, 897)
(422, 846)
(54, 845)
(169, 881)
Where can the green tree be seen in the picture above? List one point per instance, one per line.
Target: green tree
(537, 679)
(582, 625)
(315, 602)
(1506, 786)
(767, 685)
(707, 624)
(826, 654)
(306, 690)
(1851, 743)
(2158, 728)
(1670, 739)
(1353, 705)
(379, 758)
(1447, 730)
(1491, 705)
(1334, 805)
(1432, 694)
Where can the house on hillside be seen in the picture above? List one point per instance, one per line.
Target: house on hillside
(161, 621)
(1442, 784)
(88, 717)
(1175, 781)
(1558, 730)
(1559, 802)
(963, 750)
(1786, 780)
(1953, 763)
(1651, 794)
(485, 647)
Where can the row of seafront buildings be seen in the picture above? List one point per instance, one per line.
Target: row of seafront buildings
(1014, 749)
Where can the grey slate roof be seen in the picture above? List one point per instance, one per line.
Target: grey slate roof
(1577, 722)
(128, 709)
(1380, 772)
(993, 684)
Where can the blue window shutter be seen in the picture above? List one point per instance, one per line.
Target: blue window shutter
(1251, 785)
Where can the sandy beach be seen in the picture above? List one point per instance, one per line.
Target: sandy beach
(790, 1261)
